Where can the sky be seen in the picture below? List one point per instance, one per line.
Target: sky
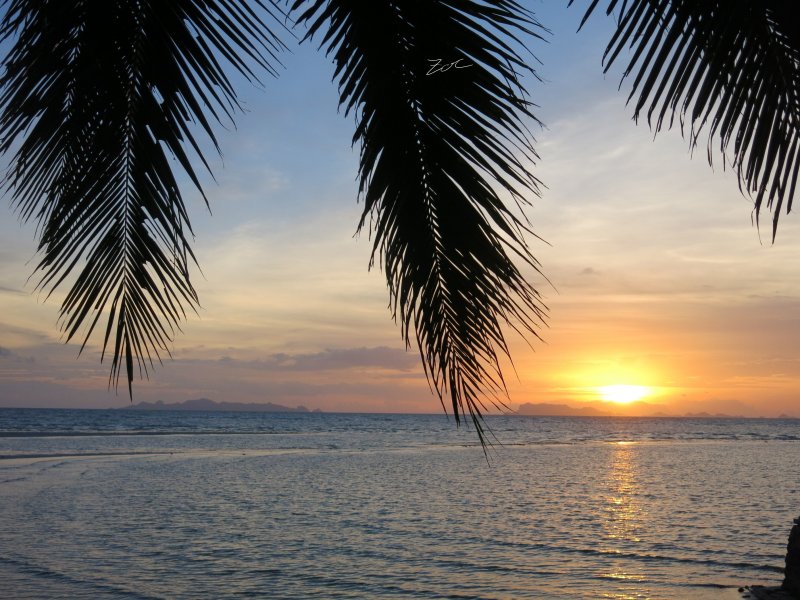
(658, 277)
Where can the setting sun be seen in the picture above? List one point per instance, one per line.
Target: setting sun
(623, 394)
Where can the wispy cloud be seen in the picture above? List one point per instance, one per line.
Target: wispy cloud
(4, 289)
(336, 359)
(10, 356)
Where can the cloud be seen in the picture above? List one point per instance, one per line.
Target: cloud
(9, 355)
(380, 357)
(333, 359)
(51, 394)
(4, 289)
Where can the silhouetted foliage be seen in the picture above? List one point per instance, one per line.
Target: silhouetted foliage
(434, 148)
(96, 95)
(729, 67)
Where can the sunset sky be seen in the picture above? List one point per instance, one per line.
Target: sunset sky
(659, 278)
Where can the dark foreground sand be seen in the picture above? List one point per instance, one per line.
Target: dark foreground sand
(758, 592)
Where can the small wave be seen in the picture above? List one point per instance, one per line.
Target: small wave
(716, 586)
(80, 455)
(43, 572)
(133, 432)
(649, 557)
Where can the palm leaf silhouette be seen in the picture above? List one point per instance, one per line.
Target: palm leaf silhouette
(95, 97)
(730, 68)
(436, 153)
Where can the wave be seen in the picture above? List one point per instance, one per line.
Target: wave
(634, 556)
(133, 432)
(48, 573)
(77, 455)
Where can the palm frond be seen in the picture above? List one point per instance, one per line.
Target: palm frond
(96, 96)
(436, 152)
(727, 67)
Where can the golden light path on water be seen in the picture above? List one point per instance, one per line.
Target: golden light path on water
(623, 516)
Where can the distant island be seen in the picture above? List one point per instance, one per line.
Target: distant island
(207, 404)
(640, 409)
(559, 410)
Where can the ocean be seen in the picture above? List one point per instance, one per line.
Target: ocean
(117, 504)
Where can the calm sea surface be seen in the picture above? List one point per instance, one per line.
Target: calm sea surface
(203, 505)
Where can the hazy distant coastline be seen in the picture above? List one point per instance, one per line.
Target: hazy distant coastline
(544, 409)
(536, 409)
(207, 404)
(559, 410)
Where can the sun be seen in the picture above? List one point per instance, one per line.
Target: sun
(623, 394)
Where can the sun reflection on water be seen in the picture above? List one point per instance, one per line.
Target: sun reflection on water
(623, 511)
(623, 517)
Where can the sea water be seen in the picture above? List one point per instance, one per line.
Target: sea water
(204, 505)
